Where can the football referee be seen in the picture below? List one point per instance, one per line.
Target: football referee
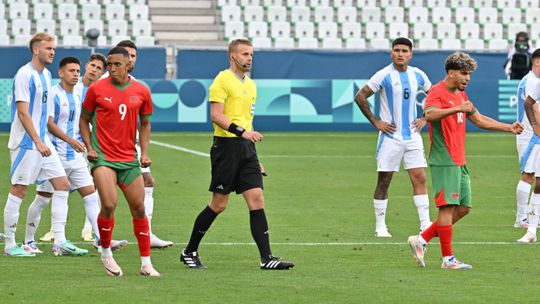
(235, 166)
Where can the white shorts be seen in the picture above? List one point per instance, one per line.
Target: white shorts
(138, 148)
(391, 152)
(27, 166)
(528, 153)
(77, 173)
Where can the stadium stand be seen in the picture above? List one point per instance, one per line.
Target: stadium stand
(363, 24)
(69, 19)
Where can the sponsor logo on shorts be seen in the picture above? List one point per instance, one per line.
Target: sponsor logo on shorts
(455, 195)
(220, 187)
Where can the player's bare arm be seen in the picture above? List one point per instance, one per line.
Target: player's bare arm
(56, 131)
(84, 129)
(144, 139)
(435, 114)
(361, 100)
(224, 122)
(24, 116)
(531, 110)
(489, 123)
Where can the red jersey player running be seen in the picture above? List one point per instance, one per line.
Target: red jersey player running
(114, 105)
(446, 108)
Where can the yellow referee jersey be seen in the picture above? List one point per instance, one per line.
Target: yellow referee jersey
(238, 95)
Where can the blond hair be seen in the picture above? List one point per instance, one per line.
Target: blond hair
(233, 45)
(461, 62)
(41, 36)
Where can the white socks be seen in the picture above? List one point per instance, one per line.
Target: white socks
(522, 195)
(145, 261)
(92, 208)
(533, 215)
(422, 205)
(34, 217)
(380, 212)
(11, 217)
(59, 211)
(149, 205)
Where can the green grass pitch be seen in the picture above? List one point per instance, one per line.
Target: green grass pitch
(319, 206)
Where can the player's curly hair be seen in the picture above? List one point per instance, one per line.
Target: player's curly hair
(460, 61)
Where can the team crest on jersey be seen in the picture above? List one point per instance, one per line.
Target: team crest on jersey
(134, 99)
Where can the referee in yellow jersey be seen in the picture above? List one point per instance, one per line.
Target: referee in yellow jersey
(235, 166)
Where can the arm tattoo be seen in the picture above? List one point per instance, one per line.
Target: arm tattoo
(530, 111)
(362, 101)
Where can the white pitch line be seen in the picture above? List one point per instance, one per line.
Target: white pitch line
(330, 244)
(195, 152)
(178, 148)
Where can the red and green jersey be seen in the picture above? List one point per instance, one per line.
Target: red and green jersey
(115, 112)
(447, 136)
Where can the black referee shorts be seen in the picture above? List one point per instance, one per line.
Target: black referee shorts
(235, 166)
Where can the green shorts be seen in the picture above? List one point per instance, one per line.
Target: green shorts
(452, 185)
(126, 172)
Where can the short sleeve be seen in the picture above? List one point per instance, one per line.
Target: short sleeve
(423, 80)
(53, 103)
(433, 100)
(147, 106)
(89, 104)
(375, 82)
(21, 87)
(218, 91)
(532, 89)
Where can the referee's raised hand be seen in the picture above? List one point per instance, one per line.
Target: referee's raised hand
(252, 136)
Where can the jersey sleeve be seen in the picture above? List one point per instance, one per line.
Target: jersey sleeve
(53, 103)
(21, 88)
(375, 82)
(423, 80)
(533, 90)
(433, 100)
(89, 105)
(218, 91)
(147, 106)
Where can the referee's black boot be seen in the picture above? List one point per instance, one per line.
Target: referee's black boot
(191, 260)
(275, 263)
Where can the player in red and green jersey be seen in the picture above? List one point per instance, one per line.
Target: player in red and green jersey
(114, 106)
(446, 108)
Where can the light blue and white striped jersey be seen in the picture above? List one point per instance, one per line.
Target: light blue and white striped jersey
(397, 91)
(528, 86)
(32, 87)
(80, 89)
(66, 115)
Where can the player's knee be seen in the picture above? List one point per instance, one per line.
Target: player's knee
(218, 206)
(44, 194)
(256, 202)
(19, 191)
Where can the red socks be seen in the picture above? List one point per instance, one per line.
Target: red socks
(430, 232)
(106, 227)
(445, 237)
(142, 232)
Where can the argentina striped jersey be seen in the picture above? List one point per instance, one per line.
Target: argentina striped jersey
(32, 87)
(67, 111)
(397, 91)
